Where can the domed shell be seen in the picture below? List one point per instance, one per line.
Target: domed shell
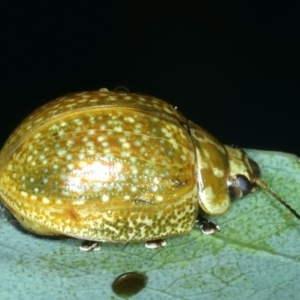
(102, 166)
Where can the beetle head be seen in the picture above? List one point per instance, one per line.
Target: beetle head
(244, 177)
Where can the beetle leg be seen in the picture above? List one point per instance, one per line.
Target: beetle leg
(155, 244)
(88, 246)
(207, 227)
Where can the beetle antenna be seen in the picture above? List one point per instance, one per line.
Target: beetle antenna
(264, 186)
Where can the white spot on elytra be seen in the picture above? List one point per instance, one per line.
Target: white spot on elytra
(81, 156)
(45, 200)
(126, 145)
(132, 159)
(101, 138)
(91, 151)
(174, 144)
(70, 143)
(125, 153)
(61, 152)
(78, 121)
(134, 170)
(118, 129)
(154, 188)
(70, 167)
(105, 198)
(137, 143)
(78, 202)
(130, 119)
(166, 132)
(85, 139)
(118, 165)
(90, 144)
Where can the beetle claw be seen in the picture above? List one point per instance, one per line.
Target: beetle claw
(88, 246)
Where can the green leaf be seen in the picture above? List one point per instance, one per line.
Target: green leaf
(255, 256)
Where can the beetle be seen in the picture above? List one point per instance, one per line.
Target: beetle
(115, 166)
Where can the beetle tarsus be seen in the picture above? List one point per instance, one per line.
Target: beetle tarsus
(155, 244)
(207, 227)
(88, 246)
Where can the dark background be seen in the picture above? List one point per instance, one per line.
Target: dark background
(230, 66)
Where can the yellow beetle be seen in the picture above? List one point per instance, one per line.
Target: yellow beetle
(118, 167)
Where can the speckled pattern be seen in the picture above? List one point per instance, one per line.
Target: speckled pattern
(115, 166)
(102, 166)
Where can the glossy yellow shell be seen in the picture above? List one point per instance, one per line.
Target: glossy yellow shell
(114, 166)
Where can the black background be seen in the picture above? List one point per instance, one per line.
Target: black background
(230, 66)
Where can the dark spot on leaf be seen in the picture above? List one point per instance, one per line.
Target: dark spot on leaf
(129, 284)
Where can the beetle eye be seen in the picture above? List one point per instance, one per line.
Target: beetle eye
(239, 187)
